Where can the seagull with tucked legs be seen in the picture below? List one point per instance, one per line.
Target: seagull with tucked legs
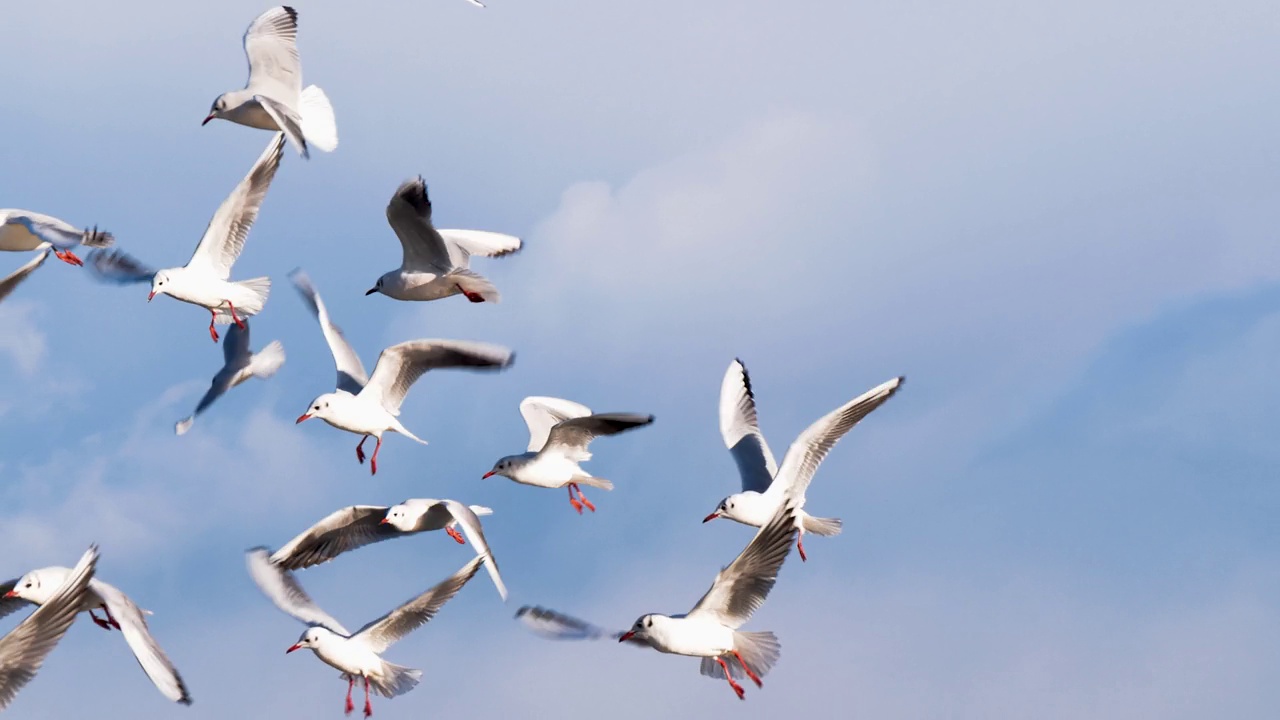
(23, 230)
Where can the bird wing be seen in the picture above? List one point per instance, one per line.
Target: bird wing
(462, 244)
(235, 346)
(25, 648)
(118, 267)
(555, 625)
(282, 589)
(399, 366)
(271, 46)
(409, 214)
(15, 278)
(543, 413)
(572, 436)
(58, 233)
(741, 431)
(288, 120)
(9, 606)
(224, 237)
(741, 587)
(145, 648)
(341, 531)
(386, 630)
(807, 452)
(351, 374)
(474, 532)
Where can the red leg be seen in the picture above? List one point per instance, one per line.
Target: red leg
(99, 621)
(110, 619)
(583, 498)
(68, 257)
(736, 687)
(360, 449)
(351, 682)
(238, 321)
(800, 547)
(368, 707)
(212, 332)
(373, 461)
(573, 500)
(453, 533)
(750, 674)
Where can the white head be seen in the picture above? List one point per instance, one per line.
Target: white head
(506, 466)
(38, 586)
(644, 627)
(313, 638)
(221, 105)
(732, 508)
(401, 517)
(321, 407)
(160, 284)
(385, 281)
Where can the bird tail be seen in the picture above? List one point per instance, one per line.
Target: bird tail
(393, 680)
(474, 282)
(481, 510)
(252, 297)
(267, 361)
(96, 238)
(759, 650)
(822, 526)
(318, 125)
(593, 481)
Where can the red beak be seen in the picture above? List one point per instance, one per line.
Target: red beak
(151, 295)
(11, 594)
(384, 521)
(206, 120)
(626, 636)
(711, 517)
(295, 647)
(303, 416)
(489, 474)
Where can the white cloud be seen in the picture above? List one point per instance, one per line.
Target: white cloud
(21, 337)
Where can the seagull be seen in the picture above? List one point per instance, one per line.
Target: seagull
(359, 525)
(559, 433)
(436, 263)
(356, 654)
(24, 649)
(763, 482)
(374, 409)
(240, 365)
(41, 587)
(204, 280)
(351, 374)
(23, 230)
(273, 99)
(710, 630)
(15, 278)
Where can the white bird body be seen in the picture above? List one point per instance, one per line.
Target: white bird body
(764, 483)
(359, 415)
(697, 636)
(25, 231)
(549, 470)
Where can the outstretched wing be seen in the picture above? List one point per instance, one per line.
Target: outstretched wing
(271, 47)
(351, 374)
(472, 529)
(224, 237)
(282, 589)
(118, 267)
(341, 531)
(543, 413)
(558, 626)
(741, 431)
(381, 633)
(145, 648)
(572, 436)
(399, 366)
(16, 277)
(462, 244)
(409, 214)
(741, 587)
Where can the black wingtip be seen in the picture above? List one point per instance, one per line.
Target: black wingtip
(293, 14)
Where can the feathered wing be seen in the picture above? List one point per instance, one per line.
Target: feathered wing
(341, 531)
(351, 374)
(25, 648)
(288, 120)
(264, 363)
(741, 430)
(386, 630)
(145, 648)
(555, 625)
(282, 589)
(10, 605)
(118, 267)
(58, 233)
(271, 47)
(225, 235)
(807, 452)
(543, 413)
(462, 244)
(741, 587)
(235, 345)
(15, 278)
(474, 531)
(572, 436)
(400, 366)
(409, 214)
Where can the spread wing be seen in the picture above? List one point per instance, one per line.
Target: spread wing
(145, 648)
(386, 630)
(474, 531)
(118, 267)
(572, 436)
(288, 120)
(462, 244)
(271, 46)
(741, 431)
(399, 366)
(807, 452)
(351, 374)
(16, 277)
(409, 214)
(558, 626)
(58, 233)
(341, 531)
(224, 237)
(25, 648)
(235, 346)
(543, 413)
(282, 589)
(741, 587)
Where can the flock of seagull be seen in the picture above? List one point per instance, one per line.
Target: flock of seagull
(435, 265)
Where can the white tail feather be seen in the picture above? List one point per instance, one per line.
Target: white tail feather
(267, 361)
(822, 526)
(759, 650)
(593, 481)
(318, 124)
(475, 283)
(394, 679)
(249, 301)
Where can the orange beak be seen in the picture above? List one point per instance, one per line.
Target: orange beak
(489, 474)
(151, 295)
(384, 521)
(303, 416)
(626, 636)
(711, 517)
(291, 649)
(11, 594)
(206, 120)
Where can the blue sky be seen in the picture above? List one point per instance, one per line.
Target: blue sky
(1058, 223)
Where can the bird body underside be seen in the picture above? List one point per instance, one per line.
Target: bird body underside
(551, 471)
(693, 637)
(252, 114)
(214, 294)
(421, 286)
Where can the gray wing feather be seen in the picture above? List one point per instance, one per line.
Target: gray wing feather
(399, 366)
(118, 267)
(543, 413)
(351, 374)
(471, 527)
(341, 531)
(145, 649)
(271, 47)
(555, 625)
(283, 590)
(572, 436)
(741, 430)
(741, 587)
(381, 633)
(224, 237)
(409, 214)
(16, 277)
